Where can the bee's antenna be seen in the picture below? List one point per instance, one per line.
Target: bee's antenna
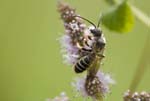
(99, 21)
(86, 20)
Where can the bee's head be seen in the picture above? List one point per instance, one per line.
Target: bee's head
(96, 32)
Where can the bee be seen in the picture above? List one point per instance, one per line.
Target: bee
(93, 48)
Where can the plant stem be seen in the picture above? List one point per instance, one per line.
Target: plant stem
(142, 65)
(140, 15)
(143, 62)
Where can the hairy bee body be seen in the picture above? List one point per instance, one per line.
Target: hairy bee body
(91, 49)
(84, 63)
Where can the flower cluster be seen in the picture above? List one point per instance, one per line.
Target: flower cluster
(74, 29)
(142, 96)
(78, 42)
(91, 86)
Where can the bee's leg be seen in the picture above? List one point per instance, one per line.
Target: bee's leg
(78, 45)
(101, 55)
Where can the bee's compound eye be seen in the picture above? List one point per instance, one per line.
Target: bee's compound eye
(92, 31)
(96, 32)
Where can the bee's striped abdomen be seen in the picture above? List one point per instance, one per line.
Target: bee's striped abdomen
(83, 64)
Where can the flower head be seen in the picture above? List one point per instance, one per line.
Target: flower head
(74, 29)
(70, 52)
(74, 26)
(79, 86)
(94, 86)
(135, 96)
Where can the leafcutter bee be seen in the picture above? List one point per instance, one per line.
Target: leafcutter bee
(93, 47)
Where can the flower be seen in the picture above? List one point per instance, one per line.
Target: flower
(106, 80)
(74, 33)
(74, 26)
(135, 96)
(79, 86)
(94, 85)
(70, 52)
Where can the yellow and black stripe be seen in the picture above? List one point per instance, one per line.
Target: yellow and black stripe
(83, 63)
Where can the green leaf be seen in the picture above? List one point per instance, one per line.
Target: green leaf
(120, 18)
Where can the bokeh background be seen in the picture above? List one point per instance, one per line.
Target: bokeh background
(31, 65)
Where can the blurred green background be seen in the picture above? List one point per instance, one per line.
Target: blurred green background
(31, 65)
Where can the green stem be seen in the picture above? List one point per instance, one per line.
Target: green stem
(143, 62)
(140, 15)
(142, 65)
